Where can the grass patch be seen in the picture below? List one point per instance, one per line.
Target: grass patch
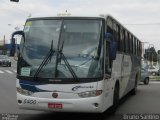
(154, 78)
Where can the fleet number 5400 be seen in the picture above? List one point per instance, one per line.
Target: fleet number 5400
(28, 101)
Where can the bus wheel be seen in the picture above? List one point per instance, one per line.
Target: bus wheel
(134, 90)
(115, 100)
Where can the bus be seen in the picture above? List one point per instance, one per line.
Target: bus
(76, 64)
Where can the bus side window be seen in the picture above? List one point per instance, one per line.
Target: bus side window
(121, 40)
(131, 43)
(110, 26)
(116, 33)
(108, 63)
(136, 46)
(134, 43)
(126, 42)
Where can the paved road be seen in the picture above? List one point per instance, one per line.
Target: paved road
(8, 103)
(147, 100)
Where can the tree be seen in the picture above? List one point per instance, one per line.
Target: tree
(151, 55)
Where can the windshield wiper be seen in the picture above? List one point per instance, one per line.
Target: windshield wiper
(45, 60)
(62, 56)
(68, 65)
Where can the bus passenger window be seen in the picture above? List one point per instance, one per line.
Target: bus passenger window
(108, 63)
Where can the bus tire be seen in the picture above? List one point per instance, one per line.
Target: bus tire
(113, 108)
(134, 90)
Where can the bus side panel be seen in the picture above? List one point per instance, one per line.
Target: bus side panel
(126, 78)
(134, 72)
(136, 68)
(117, 72)
(108, 89)
(124, 69)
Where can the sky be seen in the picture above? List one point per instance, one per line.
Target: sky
(141, 17)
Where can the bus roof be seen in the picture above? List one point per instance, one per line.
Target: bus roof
(101, 16)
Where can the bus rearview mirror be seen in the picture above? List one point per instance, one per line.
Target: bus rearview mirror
(13, 42)
(18, 33)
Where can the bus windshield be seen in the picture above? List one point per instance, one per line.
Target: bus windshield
(75, 45)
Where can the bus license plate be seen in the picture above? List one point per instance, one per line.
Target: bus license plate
(55, 105)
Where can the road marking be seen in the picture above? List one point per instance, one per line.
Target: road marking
(9, 71)
(1, 71)
(15, 71)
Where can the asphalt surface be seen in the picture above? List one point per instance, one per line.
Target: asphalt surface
(8, 103)
(147, 101)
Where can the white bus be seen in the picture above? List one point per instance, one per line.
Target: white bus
(76, 64)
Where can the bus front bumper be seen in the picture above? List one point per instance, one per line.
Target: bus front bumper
(89, 105)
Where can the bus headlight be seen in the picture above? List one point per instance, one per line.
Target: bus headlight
(90, 93)
(23, 91)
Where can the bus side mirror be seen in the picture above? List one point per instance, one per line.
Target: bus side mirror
(18, 33)
(113, 46)
(13, 44)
